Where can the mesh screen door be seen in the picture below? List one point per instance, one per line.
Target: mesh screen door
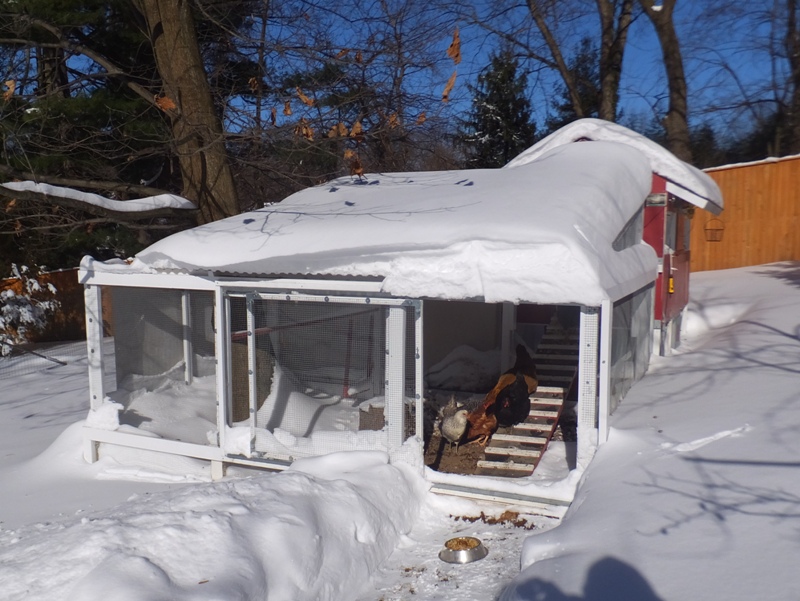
(313, 375)
(164, 361)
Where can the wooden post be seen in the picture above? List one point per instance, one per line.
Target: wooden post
(395, 375)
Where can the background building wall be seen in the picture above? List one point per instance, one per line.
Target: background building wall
(761, 218)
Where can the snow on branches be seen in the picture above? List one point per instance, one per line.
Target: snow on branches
(25, 311)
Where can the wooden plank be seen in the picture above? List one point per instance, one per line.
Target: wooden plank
(495, 466)
(532, 427)
(556, 347)
(546, 368)
(511, 452)
(549, 390)
(566, 379)
(517, 439)
(546, 401)
(553, 357)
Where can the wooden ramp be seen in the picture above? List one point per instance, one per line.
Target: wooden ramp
(516, 451)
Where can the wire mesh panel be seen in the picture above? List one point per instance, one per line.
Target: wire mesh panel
(310, 376)
(163, 361)
(631, 342)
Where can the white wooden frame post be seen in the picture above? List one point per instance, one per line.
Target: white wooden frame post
(418, 363)
(222, 351)
(587, 371)
(395, 376)
(604, 397)
(188, 350)
(252, 388)
(94, 349)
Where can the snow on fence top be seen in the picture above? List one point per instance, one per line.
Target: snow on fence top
(702, 190)
(542, 232)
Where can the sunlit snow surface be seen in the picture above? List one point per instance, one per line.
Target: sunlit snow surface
(693, 497)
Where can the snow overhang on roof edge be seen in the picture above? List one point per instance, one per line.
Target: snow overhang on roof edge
(689, 183)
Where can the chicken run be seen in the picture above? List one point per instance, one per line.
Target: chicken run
(462, 322)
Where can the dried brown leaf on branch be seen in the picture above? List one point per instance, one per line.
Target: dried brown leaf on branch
(287, 108)
(303, 98)
(421, 118)
(342, 53)
(165, 103)
(348, 154)
(359, 57)
(10, 205)
(454, 50)
(273, 116)
(253, 83)
(12, 86)
(394, 121)
(449, 87)
(338, 131)
(357, 130)
(304, 130)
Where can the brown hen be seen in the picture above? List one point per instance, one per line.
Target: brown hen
(482, 421)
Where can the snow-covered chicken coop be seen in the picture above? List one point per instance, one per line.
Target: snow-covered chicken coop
(349, 315)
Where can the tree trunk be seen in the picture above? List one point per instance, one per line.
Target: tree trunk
(558, 59)
(614, 35)
(676, 122)
(197, 130)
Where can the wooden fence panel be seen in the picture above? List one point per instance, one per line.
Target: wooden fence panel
(68, 322)
(761, 217)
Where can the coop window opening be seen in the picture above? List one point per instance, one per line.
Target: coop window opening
(312, 374)
(159, 360)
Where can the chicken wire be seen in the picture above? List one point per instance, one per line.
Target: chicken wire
(162, 365)
(311, 377)
(631, 342)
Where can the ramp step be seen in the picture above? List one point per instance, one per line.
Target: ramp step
(502, 440)
(523, 454)
(500, 468)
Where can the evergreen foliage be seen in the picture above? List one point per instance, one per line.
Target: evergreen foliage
(499, 125)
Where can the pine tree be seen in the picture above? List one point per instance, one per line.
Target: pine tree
(499, 126)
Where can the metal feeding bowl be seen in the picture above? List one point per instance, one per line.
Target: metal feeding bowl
(463, 549)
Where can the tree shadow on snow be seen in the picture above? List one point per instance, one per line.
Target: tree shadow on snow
(789, 271)
(609, 579)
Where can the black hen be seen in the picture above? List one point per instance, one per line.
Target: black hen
(513, 402)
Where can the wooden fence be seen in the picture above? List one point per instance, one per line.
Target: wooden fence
(761, 220)
(68, 323)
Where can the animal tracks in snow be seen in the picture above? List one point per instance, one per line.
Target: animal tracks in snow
(685, 447)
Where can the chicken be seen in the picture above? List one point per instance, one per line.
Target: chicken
(454, 422)
(483, 421)
(513, 402)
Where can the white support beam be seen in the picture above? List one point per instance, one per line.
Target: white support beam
(587, 367)
(222, 352)
(188, 351)
(252, 376)
(395, 376)
(418, 365)
(604, 397)
(94, 344)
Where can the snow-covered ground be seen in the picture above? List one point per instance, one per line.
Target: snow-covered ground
(695, 496)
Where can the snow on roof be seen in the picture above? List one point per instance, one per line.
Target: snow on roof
(541, 232)
(697, 187)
